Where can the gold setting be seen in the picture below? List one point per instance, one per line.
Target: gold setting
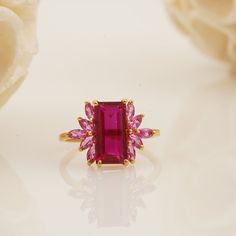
(126, 162)
(65, 136)
(132, 162)
(79, 119)
(141, 147)
(99, 164)
(89, 163)
(95, 102)
(125, 101)
(156, 132)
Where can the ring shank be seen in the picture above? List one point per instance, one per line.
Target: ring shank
(65, 137)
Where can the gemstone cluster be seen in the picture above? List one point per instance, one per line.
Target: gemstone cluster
(111, 132)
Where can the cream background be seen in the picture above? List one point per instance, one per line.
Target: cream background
(112, 50)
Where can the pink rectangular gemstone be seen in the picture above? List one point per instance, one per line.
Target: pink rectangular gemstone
(111, 138)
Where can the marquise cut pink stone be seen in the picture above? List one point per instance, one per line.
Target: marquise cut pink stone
(136, 122)
(91, 154)
(89, 110)
(77, 134)
(136, 141)
(146, 133)
(130, 110)
(86, 143)
(131, 153)
(85, 124)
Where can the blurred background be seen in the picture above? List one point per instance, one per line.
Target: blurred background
(184, 83)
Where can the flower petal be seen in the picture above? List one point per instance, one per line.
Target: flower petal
(77, 134)
(91, 154)
(136, 141)
(136, 122)
(89, 110)
(85, 124)
(86, 143)
(130, 110)
(145, 133)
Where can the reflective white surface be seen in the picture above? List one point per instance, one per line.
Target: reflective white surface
(185, 181)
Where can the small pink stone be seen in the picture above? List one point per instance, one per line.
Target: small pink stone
(136, 122)
(130, 110)
(91, 154)
(146, 133)
(131, 153)
(136, 141)
(86, 143)
(77, 134)
(89, 110)
(86, 124)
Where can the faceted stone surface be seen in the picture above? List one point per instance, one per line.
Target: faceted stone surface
(111, 137)
(86, 143)
(136, 122)
(91, 154)
(89, 110)
(130, 110)
(146, 133)
(77, 134)
(136, 141)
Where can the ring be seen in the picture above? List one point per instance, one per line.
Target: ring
(111, 133)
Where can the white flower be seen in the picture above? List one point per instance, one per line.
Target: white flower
(17, 43)
(210, 24)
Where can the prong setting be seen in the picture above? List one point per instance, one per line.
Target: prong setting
(89, 163)
(132, 162)
(95, 102)
(141, 147)
(126, 162)
(99, 164)
(125, 101)
(79, 119)
(156, 132)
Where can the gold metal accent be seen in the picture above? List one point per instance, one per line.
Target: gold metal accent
(137, 131)
(141, 147)
(65, 137)
(99, 164)
(125, 101)
(95, 102)
(130, 131)
(126, 162)
(79, 119)
(132, 162)
(156, 132)
(89, 163)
